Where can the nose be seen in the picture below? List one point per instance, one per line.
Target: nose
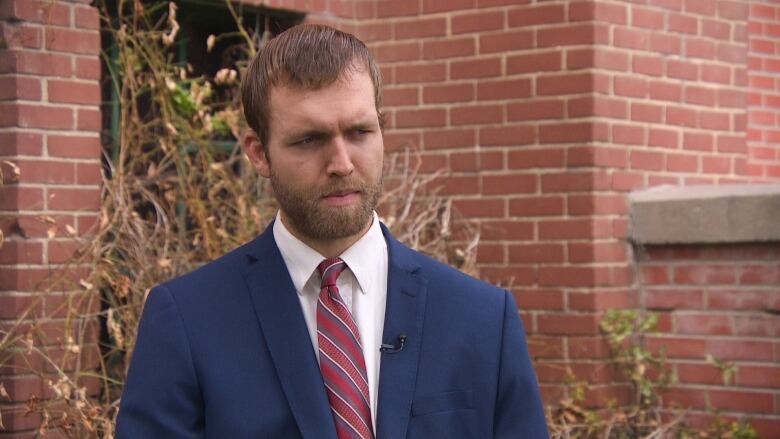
(339, 160)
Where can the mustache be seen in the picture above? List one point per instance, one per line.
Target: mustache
(344, 185)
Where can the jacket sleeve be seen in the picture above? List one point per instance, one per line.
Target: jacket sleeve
(161, 397)
(519, 412)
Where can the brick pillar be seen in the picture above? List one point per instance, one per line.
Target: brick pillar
(763, 63)
(49, 130)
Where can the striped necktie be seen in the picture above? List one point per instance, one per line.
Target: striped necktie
(341, 358)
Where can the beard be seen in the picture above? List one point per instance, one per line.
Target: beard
(315, 220)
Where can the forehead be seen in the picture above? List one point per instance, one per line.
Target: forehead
(346, 100)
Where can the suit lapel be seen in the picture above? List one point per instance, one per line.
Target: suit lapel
(406, 292)
(284, 329)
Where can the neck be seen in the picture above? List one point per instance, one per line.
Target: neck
(330, 248)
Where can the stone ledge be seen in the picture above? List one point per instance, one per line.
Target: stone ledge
(706, 214)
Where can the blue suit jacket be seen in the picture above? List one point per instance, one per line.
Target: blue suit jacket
(223, 352)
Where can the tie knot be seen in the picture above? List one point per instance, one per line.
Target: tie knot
(329, 270)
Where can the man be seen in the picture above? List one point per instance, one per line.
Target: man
(325, 326)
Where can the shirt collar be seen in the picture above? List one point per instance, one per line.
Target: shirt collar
(302, 260)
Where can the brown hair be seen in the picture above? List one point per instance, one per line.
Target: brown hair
(306, 56)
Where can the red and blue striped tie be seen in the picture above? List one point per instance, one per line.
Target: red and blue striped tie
(341, 358)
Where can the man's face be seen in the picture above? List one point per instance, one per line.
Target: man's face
(324, 157)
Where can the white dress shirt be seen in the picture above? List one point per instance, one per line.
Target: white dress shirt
(363, 288)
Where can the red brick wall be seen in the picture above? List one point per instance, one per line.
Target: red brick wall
(721, 301)
(49, 128)
(545, 113)
(763, 134)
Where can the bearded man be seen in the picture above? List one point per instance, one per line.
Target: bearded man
(325, 326)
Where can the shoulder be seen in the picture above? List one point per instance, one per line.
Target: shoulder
(445, 282)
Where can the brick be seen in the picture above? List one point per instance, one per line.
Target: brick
(702, 324)
(393, 97)
(536, 158)
(718, 30)
(646, 113)
(535, 110)
(433, 6)
(536, 253)
(20, 143)
(560, 133)
(509, 184)
(433, 117)
(665, 43)
(577, 205)
(89, 173)
(565, 229)
(534, 62)
(73, 41)
(732, 10)
(539, 299)
(716, 74)
(605, 12)
(370, 32)
(421, 73)
(73, 146)
(733, 53)
(671, 299)
(472, 161)
(564, 84)
(36, 116)
(535, 15)
(590, 57)
(682, 163)
(628, 134)
(630, 86)
(20, 35)
(758, 376)
(631, 38)
(504, 89)
(678, 346)
(647, 18)
(683, 23)
(730, 98)
(536, 206)
(449, 48)
(73, 92)
(597, 106)
(38, 63)
(397, 8)
(478, 68)
(682, 69)
(627, 181)
(573, 276)
(20, 198)
(19, 87)
(597, 252)
(88, 120)
(568, 324)
(699, 48)
(573, 34)
(73, 199)
(681, 117)
(449, 138)
(665, 91)
(87, 68)
(574, 182)
(87, 17)
(480, 208)
(506, 41)
(742, 401)
(407, 51)
(401, 141)
(507, 135)
(647, 65)
(476, 114)
(45, 171)
(700, 7)
(431, 27)
(477, 22)
(647, 160)
(448, 93)
(698, 141)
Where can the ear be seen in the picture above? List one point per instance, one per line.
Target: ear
(256, 153)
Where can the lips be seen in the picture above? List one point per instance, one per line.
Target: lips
(342, 197)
